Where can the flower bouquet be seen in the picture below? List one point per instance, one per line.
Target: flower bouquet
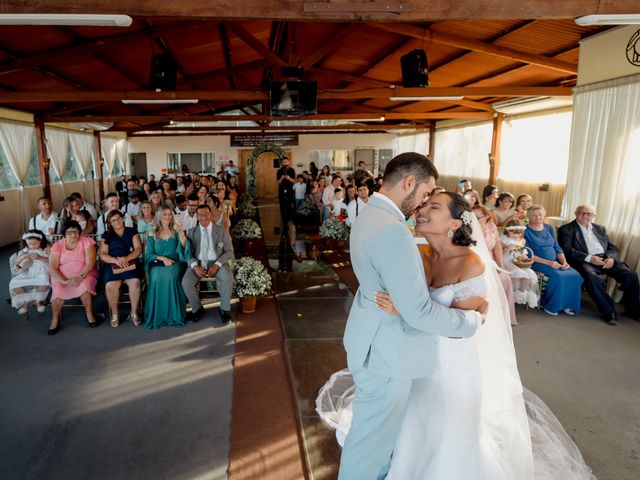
(334, 229)
(246, 210)
(251, 280)
(247, 229)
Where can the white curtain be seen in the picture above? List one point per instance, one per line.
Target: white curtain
(81, 147)
(418, 142)
(109, 145)
(535, 151)
(58, 151)
(463, 152)
(604, 157)
(17, 141)
(122, 148)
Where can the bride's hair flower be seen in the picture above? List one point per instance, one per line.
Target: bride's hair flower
(467, 217)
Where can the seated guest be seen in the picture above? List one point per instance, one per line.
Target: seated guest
(492, 239)
(472, 197)
(82, 205)
(328, 196)
(211, 252)
(563, 288)
(166, 249)
(233, 185)
(157, 200)
(524, 279)
(29, 282)
(133, 207)
(339, 206)
(437, 190)
(47, 220)
(72, 264)
(84, 218)
(504, 212)
(189, 217)
(181, 204)
(523, 204)
(489, 196)
(591, 253)
(111, 202)
(463, 186)
(145, 220)
(119, 250)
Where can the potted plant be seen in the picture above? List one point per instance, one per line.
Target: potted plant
(251, 280)
(307, 213)
(334, 231)
(246, 210)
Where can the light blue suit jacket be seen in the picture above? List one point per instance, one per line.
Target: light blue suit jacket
(384, 256)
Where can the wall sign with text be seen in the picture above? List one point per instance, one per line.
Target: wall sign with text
(257, 139)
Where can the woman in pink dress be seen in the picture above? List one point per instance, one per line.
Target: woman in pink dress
(72, 264)
(492, 238)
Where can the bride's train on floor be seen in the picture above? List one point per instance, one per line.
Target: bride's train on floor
(555, 455)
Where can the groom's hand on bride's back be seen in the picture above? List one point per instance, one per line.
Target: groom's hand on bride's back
(483, 309)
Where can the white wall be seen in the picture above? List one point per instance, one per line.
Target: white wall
(604, 56)
(157, 147)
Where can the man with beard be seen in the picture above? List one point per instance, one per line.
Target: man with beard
(386, 352)
(286, 177)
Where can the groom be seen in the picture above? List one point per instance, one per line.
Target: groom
(386, 352)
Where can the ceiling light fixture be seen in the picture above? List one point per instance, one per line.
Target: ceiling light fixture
(420, 99)
(65, 19)
(131, 101)
(622, 19)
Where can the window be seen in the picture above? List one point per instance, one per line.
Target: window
(336, 159)
(192, 162)
(8, 179)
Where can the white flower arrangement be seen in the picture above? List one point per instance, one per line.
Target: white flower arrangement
(335, 229)
(250, 278)
(247, 229)
(246, 210)
(308, 209)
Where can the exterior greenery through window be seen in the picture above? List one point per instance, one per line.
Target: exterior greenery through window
(8, 179)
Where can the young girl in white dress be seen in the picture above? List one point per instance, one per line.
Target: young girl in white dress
(525, 280)
(30, 283)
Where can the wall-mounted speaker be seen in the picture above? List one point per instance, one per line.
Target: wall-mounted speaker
(163, 72)
(415, 70)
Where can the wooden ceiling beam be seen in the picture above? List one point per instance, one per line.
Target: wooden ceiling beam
(430, 35)
(226, 51)
(405, 10)
(257, 95)
(261, 117)
(256, 45)
(301, 128)
(336, 40)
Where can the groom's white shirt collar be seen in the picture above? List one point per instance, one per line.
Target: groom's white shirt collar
(386, 199)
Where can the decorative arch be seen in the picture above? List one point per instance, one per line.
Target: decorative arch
(251, 165)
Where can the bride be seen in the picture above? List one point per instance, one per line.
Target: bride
(471, 418)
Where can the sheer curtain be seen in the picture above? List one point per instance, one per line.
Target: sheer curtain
(418, 142)
(463, 152)
(122, 148)
(604, 158)
(81, 147)
(58, 150)
(16, 140)
(109, 145)
(535, 151)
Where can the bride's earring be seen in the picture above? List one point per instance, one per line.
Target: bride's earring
(450, 234)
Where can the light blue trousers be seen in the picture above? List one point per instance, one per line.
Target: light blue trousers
(378, 410)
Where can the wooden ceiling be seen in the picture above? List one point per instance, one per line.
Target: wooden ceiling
(81, 74)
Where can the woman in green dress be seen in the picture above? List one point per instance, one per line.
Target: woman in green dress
(166, 251)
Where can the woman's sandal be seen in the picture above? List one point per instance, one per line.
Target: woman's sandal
(135, 319)
(115, 321)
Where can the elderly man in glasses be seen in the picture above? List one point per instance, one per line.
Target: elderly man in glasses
(589, 250)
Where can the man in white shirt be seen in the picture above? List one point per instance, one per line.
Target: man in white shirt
(231, 170)
(111, 202)
(47, 220)
(189, 217)
(355, 206)
(299, 190)
(85, 205)
(328, 196)
(211, 252)
(339, 207)
(588, 249)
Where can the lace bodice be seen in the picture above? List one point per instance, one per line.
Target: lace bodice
(447, 294)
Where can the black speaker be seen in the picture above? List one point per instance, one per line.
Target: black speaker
(163, 72)
(415, 69)
(276, 163)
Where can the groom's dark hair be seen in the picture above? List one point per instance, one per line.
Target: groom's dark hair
(409, 163)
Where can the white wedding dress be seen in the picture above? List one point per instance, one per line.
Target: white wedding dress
(470, 419)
